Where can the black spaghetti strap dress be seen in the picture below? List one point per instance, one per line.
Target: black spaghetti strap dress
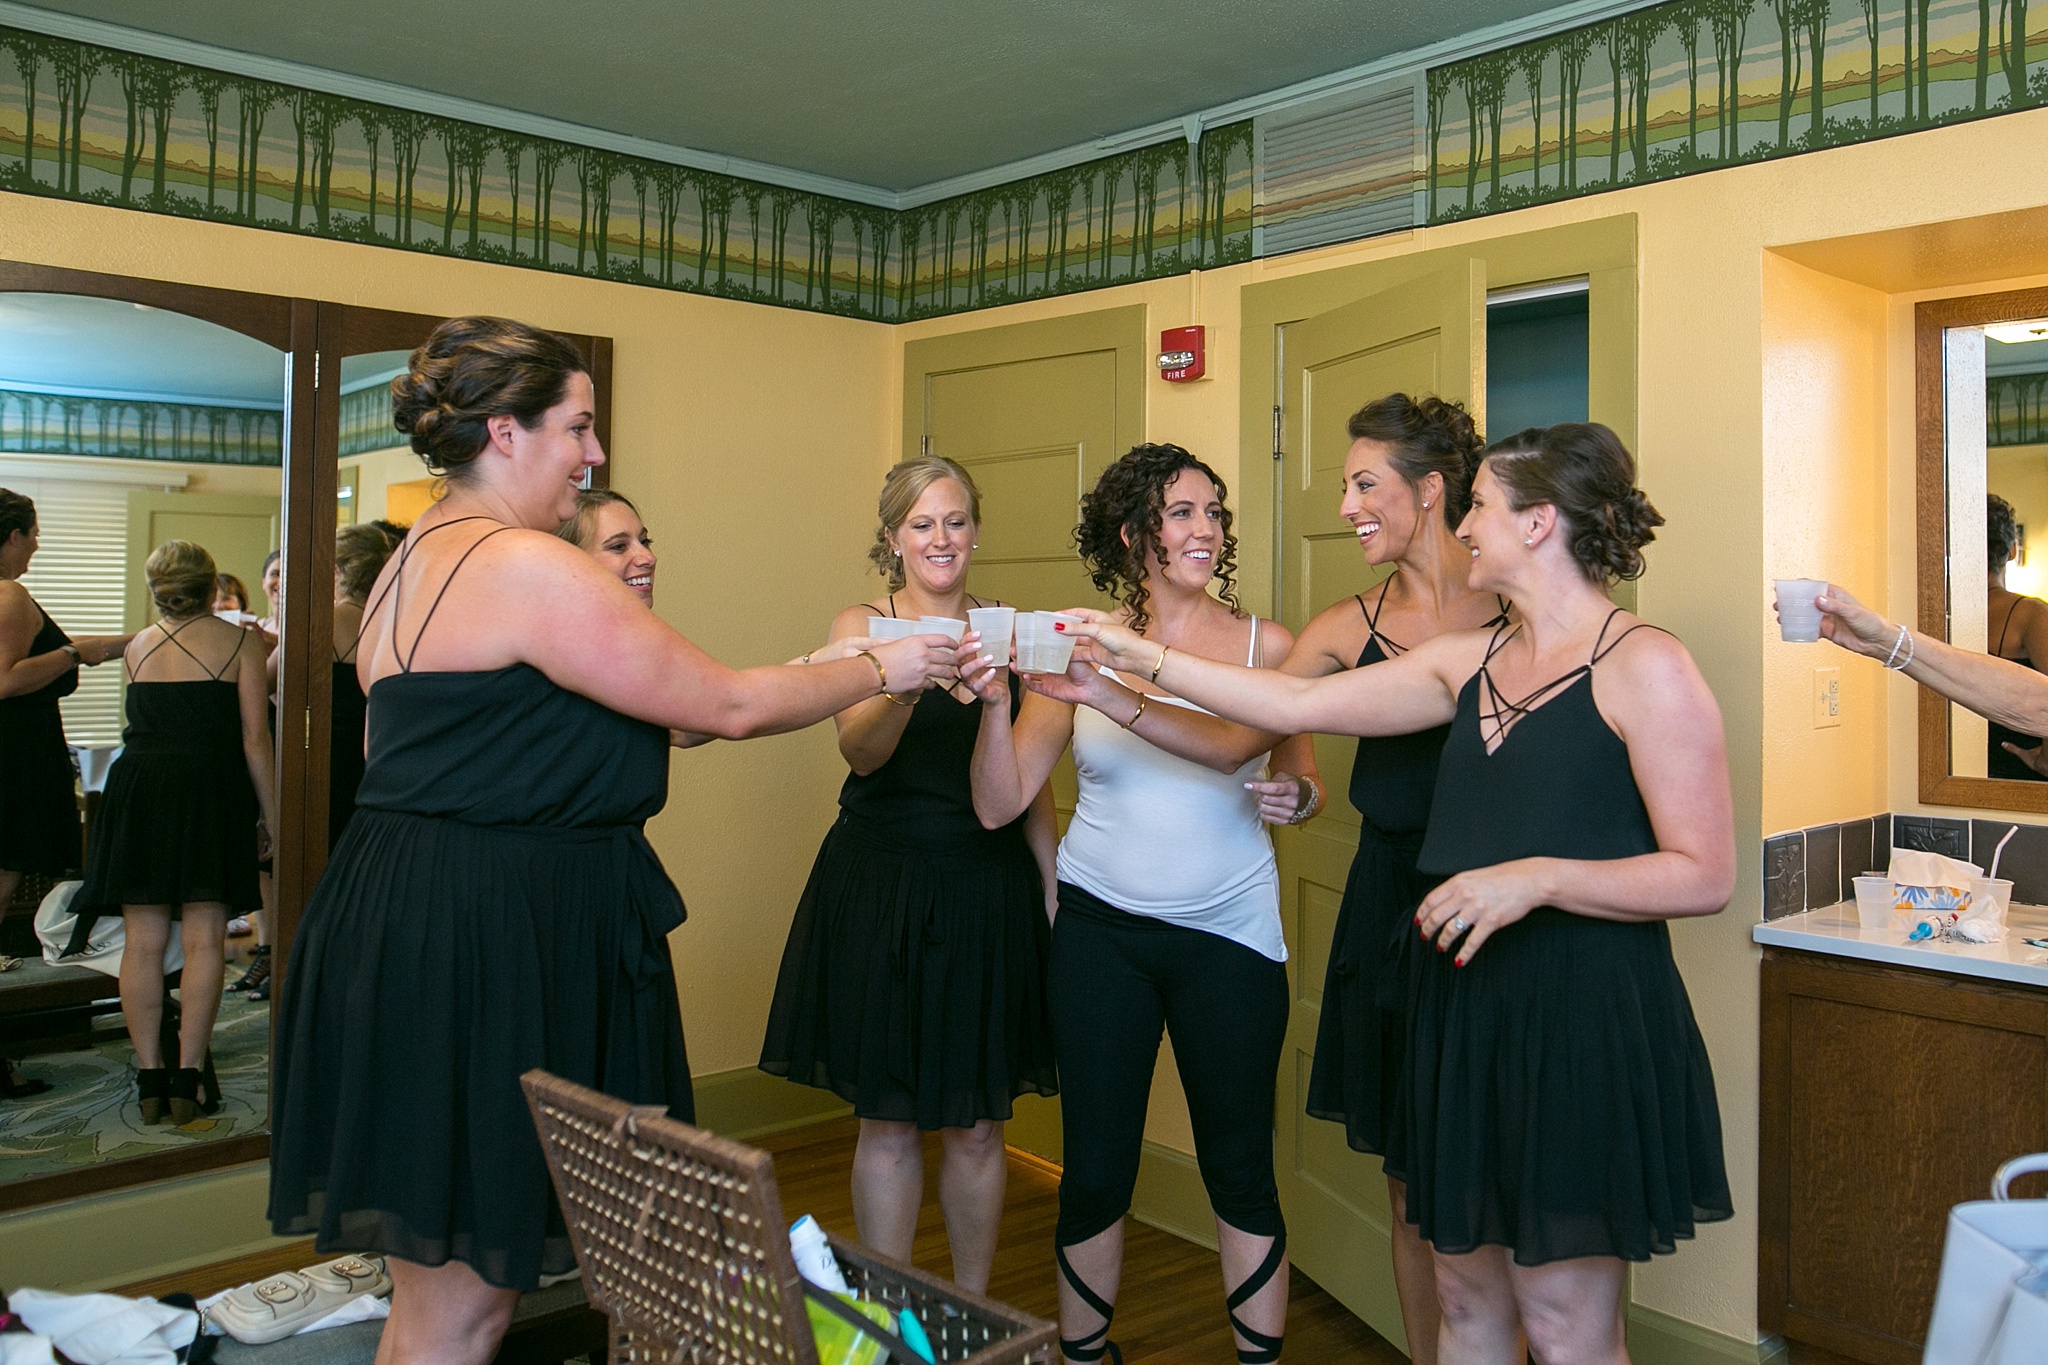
(38, 806)
(1998, 762)
(492, 907)
(348, 716)
(177, 822)
(913, 982)
(1562, 1101)
(1359, 1074)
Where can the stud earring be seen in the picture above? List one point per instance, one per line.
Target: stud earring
(1529, 541)
(1425, 505)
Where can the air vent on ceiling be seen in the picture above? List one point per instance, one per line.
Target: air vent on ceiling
(1333, 173)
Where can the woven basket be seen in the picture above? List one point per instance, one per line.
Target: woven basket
(683, 1245)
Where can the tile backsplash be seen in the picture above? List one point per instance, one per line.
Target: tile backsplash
(1809, 868)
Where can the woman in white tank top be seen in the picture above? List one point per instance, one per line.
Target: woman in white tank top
(1169, 913)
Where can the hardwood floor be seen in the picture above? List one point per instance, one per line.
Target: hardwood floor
(1171, 1306)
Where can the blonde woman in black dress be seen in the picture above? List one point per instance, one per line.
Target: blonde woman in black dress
(494, 905)
(178, 831)
(913, 982)
(1562, 1120)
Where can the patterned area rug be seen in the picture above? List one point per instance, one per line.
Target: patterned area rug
(91, 1116)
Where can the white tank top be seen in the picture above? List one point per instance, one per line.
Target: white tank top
(1155, 834)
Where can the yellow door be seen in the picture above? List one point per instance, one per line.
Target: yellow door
(238, 530)
(1034, 412)
(1423, 337)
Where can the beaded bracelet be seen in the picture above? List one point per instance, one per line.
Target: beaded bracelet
(1905, 642)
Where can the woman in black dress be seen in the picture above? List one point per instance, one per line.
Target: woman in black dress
(1562, 1119)
(178, 828)
(39, 664)
(913, 982)
(494, 906)
(360, 553)
(1407, 485)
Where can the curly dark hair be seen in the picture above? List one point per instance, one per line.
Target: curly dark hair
(2001, 531)
(1585, 472)
(1119, 532)
(1428, 435)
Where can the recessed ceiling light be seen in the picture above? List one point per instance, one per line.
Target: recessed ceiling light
(2015, 332)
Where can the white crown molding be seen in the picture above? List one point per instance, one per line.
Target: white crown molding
(1393, 67)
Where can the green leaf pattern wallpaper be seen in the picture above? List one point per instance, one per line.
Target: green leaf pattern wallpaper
(70, 424)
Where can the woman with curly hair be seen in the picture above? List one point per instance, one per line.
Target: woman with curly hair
(1169, 900)
(1561, 1107)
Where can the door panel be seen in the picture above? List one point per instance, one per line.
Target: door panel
(1423, 337)
(1035, 432)
(238, 530)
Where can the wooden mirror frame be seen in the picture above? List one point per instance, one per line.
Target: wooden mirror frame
(1931, 319)
(304, 329)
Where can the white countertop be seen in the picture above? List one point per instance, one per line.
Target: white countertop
(1835, 930)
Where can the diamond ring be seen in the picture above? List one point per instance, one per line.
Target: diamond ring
(1458, 924)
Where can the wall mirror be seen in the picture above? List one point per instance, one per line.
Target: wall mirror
(1981, 384)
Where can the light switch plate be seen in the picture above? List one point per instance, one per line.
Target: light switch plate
(1827, 697)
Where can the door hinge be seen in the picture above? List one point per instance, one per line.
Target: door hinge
(316, 371)
(924, 444)
(309, 727)
(1276, 431)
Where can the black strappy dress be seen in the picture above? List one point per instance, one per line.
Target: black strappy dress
(1359, 1077)
(492, 907)
(38, 803)
(1562, 1103)
(1997, 761)
(348, 715)
(177, 822)
(913, 982)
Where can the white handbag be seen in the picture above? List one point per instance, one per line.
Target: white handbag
(1991, 1307)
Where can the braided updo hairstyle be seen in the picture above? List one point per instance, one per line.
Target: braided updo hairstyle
(1119, 532)
(1585, 472)
(1427, 436)
(471, 370)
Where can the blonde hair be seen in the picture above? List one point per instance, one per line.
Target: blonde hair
(582, 523)
(180, 575)
(905, 484)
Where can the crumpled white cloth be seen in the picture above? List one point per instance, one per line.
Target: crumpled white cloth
(362, 1308)
(106, 1329)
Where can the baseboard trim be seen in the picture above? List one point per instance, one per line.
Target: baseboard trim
(1171, 1197)
(749, 1103)
(1656, 1338)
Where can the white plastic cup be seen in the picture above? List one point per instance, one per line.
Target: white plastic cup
(893, 628)
(996, 625)
(950, 627)
(1875, 897)
(1041, 648)
(1798, 617)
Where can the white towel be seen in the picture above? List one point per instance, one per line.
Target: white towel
(106, 1329)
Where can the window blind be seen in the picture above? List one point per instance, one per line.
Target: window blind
(77, 575)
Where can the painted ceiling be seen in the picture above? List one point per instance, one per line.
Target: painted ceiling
(891, 93)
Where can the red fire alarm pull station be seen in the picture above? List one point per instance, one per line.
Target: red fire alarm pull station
(1180, 354)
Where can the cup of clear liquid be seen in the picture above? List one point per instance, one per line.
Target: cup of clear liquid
(994, 624)
(1798, 617)
(894, 628)
(950, 627)
(1040, 647)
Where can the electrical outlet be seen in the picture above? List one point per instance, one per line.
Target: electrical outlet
(1827, 697)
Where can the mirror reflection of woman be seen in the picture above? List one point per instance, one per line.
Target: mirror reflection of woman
(39, 663)
(913, 981)
(360, 552)
(1407, 485)
(520, 704)
(1562, 1108)
(178, 830)
(1168, 895)
(2017, 626)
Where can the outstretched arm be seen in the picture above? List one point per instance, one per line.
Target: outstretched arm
(1012, 760)
(2012, 694)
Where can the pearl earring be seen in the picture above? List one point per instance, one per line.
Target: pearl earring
(1425, 505)
(1529, 541)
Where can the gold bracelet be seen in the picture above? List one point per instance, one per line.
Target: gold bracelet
(1135, 714)
(895, 700)
(1162, 662)
(881, 673)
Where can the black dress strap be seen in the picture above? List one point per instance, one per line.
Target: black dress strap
(392, 588)
(405, 662)
(1372, 618)
(1602, 646)
(170, 637)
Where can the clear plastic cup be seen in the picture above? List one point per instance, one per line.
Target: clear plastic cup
(1998, 893)
(996, 625)
(950, 627)
(893, 628)
(1798, 617)
(1040, 647)
(1875, 897)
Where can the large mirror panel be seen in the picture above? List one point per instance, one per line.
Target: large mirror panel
(143, 449)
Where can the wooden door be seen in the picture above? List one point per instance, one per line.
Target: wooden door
(238, 530)
(1035, 413)
(1426, 336)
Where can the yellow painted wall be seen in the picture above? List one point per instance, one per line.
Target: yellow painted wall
(2019, 474)
(377, 470)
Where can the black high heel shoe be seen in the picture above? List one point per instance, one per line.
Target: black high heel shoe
(152, 1092)
(15, 1086)
(186, 1086)
(258, 975)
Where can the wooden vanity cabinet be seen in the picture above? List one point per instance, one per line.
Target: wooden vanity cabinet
(1888, 1095)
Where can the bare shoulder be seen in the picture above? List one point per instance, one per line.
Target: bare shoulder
(1275, 641)
(15, 602)
(853, 621)
(1650, 674)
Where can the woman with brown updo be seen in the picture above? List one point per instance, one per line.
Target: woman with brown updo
(178, 830)
(913, 982)
(1562, 1113)
(1168, 896)
(1407, 485)
(494, 905)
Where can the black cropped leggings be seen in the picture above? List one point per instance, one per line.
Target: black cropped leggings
(1116, 979)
